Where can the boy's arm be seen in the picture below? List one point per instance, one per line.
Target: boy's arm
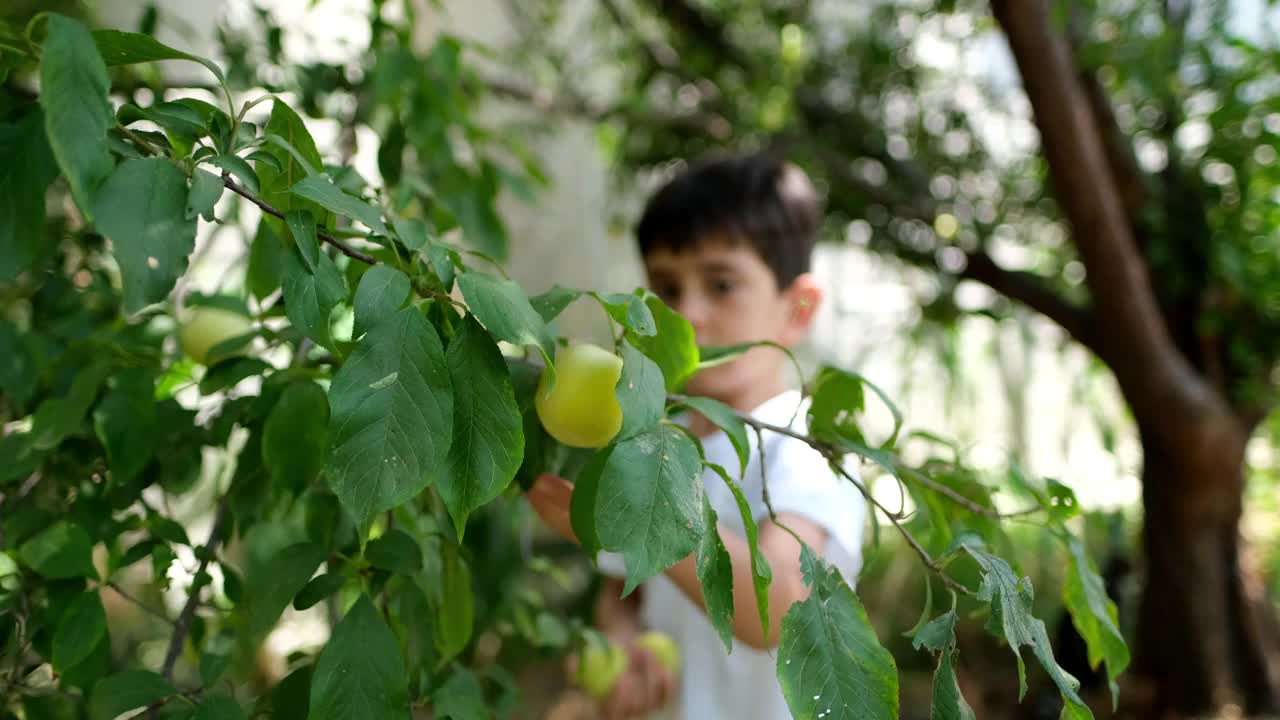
(782, 552)
(551, 496)
(616, 616)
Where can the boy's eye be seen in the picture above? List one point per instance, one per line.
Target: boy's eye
(722, 286)
(667, 291)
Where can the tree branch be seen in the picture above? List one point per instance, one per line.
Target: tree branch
(1157, 379)
(660, 53)
(1030, 290)
(1119, 152)
(574, 105)
(834, 455)
(182, 625)
(342, 247)
(141, 605)
(697, 25)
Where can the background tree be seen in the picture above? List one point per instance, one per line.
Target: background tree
(1136, 169)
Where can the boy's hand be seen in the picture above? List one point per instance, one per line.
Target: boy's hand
(550, 496)
(645, 686)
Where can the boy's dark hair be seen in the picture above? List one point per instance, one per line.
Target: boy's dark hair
(755, 198)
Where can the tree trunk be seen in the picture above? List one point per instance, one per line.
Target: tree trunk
(1206, 631)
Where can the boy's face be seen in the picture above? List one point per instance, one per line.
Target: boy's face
(729, 295)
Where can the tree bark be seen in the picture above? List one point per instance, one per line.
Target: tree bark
(1206, 638)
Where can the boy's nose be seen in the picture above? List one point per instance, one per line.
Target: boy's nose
(695, 310)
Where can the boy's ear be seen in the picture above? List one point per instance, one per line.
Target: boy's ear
(804, 297)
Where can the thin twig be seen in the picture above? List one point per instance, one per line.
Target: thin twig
(183, 624)
(925, 557)
(829, 452)
(834, 457)
(141, 605)
(266, 207)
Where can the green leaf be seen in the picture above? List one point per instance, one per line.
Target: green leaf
(838, 400)
(241, 168)
(381, 293)
(229, 372)
(1092, 612)
(940, 637)
(125, 691)
(649, 504)
(126, 48)
(219, 707)
(82, 627)
(320, 190)
(728, 420)
(640, 391)
(506, 312)
(27, 166)
(18, 459)
(295, 436)
(262, 157)
(232, 584)
(412, 621)
(19, 373)
(63, 550)
(142, 208)
(135, 553)
(360, 673)
(710, 356)
(319, 588)
(554, 301)
(1011, 602)
(77, 114)
(396, 551)
(582, 506)
(280, 579)
(125, 423)
(302, 226)
(413, 233)
(285, 124)
(163, 528)
(488, 436)
(630, 311)
(290, 697)
(184, 123)
(266, 262)
(60, 416)
(212, 666)
(442, 264)
(309, 299)
(672, 347)
(938, 634)
(206, 188)
(321, 515)
(392, 421)
(830, 663)
(460, 698)
(715, 574)
(453, 601)
(471, 199)
(761, 573)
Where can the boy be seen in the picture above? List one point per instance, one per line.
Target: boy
(727, 244)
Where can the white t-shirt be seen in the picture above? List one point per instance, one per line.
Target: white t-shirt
(743, 684)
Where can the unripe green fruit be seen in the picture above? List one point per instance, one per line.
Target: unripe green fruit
(206, 327)
(581, 409)
(664, 648)
(600, 667)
